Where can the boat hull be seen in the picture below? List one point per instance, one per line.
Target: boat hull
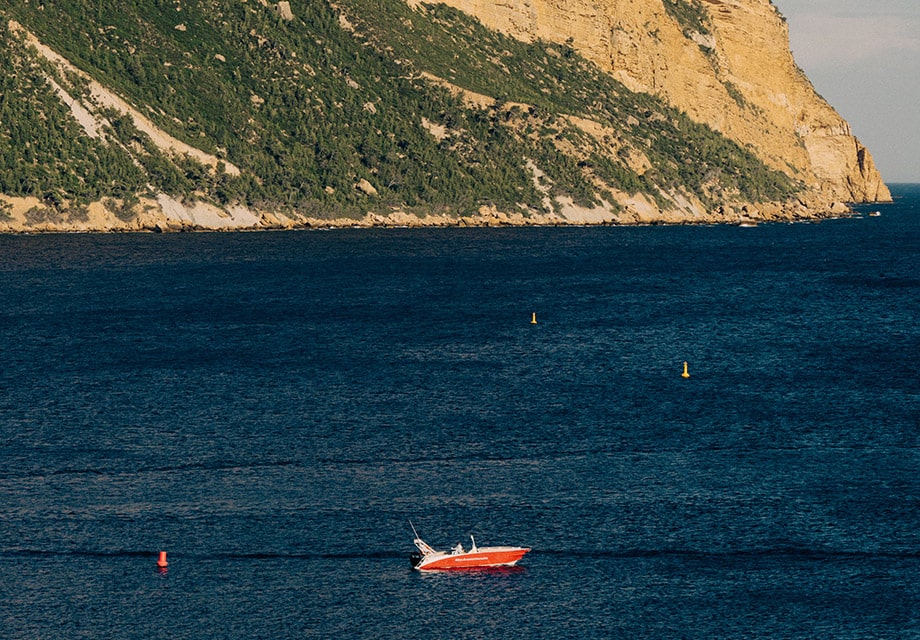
(482, 557)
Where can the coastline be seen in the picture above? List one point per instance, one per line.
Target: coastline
(166, 215)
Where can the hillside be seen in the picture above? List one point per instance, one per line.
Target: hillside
(726, 63)
(163, 114)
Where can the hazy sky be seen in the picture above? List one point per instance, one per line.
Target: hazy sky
(863, 56)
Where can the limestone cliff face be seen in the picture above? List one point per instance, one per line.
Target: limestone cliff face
(733, 70)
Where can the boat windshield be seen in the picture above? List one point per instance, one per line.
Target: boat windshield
(423, 546)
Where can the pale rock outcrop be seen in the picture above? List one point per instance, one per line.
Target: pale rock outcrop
(284, 10)
(366, 187)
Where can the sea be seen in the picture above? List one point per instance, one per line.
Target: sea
(276, 411)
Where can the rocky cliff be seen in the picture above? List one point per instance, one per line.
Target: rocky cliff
(216, 114)
(726, 63)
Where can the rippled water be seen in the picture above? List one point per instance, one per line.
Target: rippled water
(272, 409)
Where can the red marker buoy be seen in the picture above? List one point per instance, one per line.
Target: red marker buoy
(161, 562)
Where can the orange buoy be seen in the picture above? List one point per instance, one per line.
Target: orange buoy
(685, 374)
(533, 318)
(161, 562)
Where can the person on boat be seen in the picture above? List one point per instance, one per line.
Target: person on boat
(458, 548)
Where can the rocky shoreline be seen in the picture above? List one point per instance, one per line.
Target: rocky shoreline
(167, 215)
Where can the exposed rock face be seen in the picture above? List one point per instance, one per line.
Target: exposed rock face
(736, 74)
(284, 10)
(366, 187)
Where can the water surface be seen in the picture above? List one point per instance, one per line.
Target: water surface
(273, 408)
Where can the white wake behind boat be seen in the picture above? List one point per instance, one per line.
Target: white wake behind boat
(430, 559)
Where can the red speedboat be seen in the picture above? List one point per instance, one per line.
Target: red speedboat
(429, 559)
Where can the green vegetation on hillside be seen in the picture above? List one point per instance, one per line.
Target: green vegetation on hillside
(308, 107)
(689, 14)
(43, 151)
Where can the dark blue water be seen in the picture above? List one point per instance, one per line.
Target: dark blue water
(272, 409)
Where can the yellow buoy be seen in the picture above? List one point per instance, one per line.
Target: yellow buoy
(533, 318)
(685, 374)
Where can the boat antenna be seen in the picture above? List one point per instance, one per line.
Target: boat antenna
(413, 528)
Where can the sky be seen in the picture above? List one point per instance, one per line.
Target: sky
(863, 56)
